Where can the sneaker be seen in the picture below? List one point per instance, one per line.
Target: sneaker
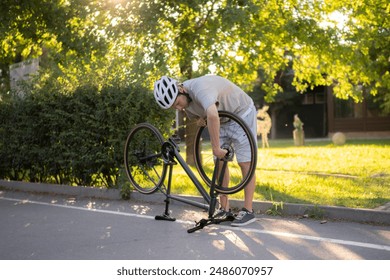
(223, 214)
(243, 218)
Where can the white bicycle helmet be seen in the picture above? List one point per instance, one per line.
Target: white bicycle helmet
(165, 92)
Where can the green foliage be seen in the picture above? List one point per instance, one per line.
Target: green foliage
(354, 175)
(73, 139)
(99, 59)
(276, 209)
(338, 43)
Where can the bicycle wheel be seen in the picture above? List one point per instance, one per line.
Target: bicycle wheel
(231, 126)
(143, 161)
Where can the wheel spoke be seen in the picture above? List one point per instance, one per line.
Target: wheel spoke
(143, 162)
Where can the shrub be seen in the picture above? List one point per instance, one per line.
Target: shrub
(73, 138)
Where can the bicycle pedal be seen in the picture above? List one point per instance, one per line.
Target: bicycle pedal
(202, 222)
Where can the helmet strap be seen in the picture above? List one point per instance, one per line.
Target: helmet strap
(186, 95)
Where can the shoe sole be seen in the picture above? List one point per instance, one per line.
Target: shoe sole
(243, 224)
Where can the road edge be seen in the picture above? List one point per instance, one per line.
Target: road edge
(376, 216)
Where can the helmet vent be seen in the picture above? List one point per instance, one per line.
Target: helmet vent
(165, 91)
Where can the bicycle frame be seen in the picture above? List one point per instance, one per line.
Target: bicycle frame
(171, 153)
(166, 154)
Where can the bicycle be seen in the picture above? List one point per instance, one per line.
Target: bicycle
(148, 158)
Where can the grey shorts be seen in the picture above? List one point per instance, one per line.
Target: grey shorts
(232, 134)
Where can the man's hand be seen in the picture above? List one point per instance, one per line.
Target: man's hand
(201, 122)
(220, 153)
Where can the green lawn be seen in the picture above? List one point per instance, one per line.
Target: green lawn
(355, 175)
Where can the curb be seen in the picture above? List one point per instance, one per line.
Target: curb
(376, 216)
(61, 189)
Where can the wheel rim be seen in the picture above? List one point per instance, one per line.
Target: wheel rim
(204, 159)
(143, 162)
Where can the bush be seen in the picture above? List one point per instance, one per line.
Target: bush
(75, 138)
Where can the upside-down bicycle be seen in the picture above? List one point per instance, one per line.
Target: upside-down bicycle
(148, 159)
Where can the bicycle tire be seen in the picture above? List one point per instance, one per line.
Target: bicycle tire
(204, 159)
(144, 164)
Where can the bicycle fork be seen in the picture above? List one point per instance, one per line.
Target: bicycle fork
(213, 192)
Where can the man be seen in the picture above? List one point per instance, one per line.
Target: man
(201, 98)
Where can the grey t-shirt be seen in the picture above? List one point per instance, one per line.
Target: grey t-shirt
(207, 90)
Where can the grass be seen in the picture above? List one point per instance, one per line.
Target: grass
(355, 175)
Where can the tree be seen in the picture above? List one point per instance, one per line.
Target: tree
(30, 28)
(347, 48)
(329, 42)
(336, 42)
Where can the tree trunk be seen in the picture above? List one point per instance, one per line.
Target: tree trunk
(190, 131)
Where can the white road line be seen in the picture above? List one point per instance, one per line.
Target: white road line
(252, 230)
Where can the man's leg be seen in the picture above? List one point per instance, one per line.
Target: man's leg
(246, 215)
(249, 189)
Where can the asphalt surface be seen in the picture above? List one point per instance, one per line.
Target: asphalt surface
(43, 226)
(381, 215)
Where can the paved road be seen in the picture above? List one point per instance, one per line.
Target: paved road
(54, 227)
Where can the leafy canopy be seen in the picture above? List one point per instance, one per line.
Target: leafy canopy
(327, 42)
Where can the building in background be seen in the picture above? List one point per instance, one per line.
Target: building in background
(21, 72)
